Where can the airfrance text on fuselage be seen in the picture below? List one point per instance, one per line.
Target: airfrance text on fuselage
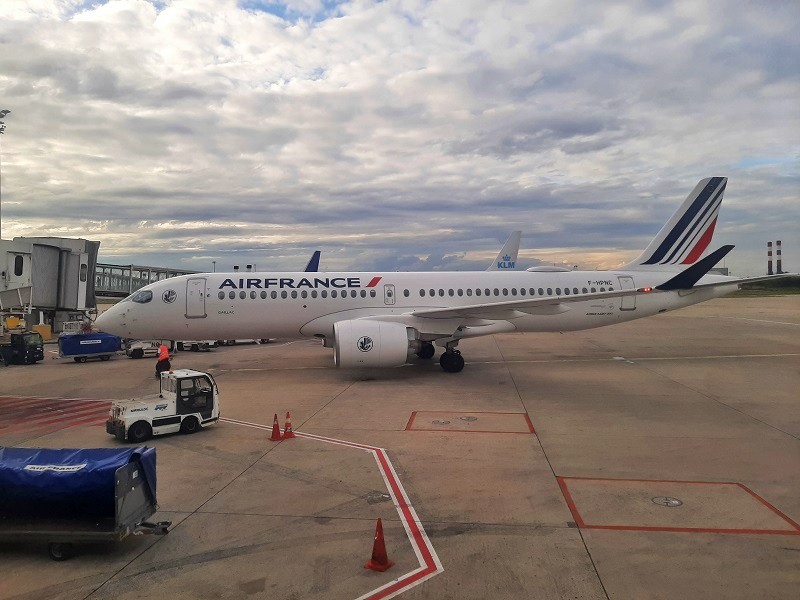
(291, 283)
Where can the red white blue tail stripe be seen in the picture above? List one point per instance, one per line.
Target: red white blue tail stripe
(688, 233)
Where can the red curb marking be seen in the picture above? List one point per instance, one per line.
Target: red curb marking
(583, 525)
(429, 561)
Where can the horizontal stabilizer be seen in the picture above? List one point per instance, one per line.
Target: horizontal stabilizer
(686, 279)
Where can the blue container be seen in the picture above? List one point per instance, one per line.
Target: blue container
(88, 344)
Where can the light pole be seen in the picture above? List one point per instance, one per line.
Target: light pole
(214, 263)
(3, 114)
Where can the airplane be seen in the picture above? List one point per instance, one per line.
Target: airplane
(507, 257)
(313, 262)
(384, 319)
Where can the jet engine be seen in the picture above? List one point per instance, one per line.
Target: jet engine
(365, 343)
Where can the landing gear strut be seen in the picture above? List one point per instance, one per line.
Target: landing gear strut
(452, 361)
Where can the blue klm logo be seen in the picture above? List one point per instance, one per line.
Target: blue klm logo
(506, 263)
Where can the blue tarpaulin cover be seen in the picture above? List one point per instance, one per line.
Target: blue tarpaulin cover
(76, 344)
(67, 482)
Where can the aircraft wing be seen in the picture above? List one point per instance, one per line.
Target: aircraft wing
(739, 282)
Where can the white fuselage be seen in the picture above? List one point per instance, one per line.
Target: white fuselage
(296, 305)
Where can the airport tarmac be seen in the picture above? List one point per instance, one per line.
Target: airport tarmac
(551, 467)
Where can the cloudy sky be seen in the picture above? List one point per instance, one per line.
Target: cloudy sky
(408, 134)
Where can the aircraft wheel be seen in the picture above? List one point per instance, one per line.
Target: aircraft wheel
(426, 351)
(452, 362)
(60, 551)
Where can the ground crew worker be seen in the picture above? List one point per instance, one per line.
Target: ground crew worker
(163, 363)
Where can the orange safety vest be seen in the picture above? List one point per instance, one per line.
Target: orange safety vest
(163, 353)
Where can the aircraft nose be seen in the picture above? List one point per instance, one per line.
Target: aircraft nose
(110, 321)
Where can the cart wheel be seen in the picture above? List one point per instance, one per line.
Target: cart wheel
(105, 358)
(137, 353)
(139, 431)
(190, 425)
(60, 551)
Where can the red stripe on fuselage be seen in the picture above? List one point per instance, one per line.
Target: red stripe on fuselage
(374, 281)
(701, 245)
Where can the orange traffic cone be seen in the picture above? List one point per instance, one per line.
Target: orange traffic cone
(276, 430)
(379, 560)
(287, 429)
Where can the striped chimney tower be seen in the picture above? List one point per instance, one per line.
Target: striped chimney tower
(778, 257)
(769, 258)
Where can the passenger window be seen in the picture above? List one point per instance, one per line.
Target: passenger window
(273, 294)
(574, 290)
(372, 293)
(521, 291)
(313, 293)
(594, 290)
(294, 293)
(558, 291)
(353, 293)
(549, 291)
(18, 265)
(304, 294)
(433, 293)
(284, 294)
(505, 292)
(441, 292)
(231, 295)
(513, 291)
(363, 293)
(496, 292)
(334, 294)
(84, 271)
(478, 292)
(263, 295)
(252, 295)
(602, 289)
(460, 292)
(585, 291)
(610, 289)
(487, 292)
(221, 295)
(405, 293)
(450, 292)
(541, 291)
(532, 292)
(422, 293)
(469, 292)
(242, 294)
(324, 293)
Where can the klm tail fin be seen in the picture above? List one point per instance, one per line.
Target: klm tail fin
(688, 232)
(313, 263)
(507, 258)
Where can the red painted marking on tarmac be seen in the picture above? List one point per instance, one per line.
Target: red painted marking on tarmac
(97, 415)
(530, 424)
(527, 422)
(430, 563)
(769, 506)
(583, 525)
(411, 420)
(570, 503)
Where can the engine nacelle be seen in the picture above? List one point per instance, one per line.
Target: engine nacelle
(364, 343)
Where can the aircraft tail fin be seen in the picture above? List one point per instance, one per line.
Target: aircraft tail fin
(506, 259)
(688, 232)
(313, 263)
(688, 277)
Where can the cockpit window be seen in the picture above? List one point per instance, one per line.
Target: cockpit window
(142, 296)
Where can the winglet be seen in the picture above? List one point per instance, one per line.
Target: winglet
(313, 263)
(686, 279)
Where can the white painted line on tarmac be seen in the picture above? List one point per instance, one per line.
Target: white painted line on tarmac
(761, 321)
(429, 563)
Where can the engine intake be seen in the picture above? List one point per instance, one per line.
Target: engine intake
(364, 343)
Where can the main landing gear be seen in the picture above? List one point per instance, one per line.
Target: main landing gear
(451, 360)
